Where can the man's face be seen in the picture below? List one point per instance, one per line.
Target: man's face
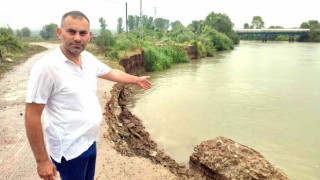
(75, 34)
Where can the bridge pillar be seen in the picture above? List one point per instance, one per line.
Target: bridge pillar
(264, 38)
(291, 38)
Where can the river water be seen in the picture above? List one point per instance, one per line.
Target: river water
(263, 95)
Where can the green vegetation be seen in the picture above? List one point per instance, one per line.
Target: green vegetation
(8, 42)
(14, 51)
(313, 35)
(49, 31)
(104, 40)
(120, 27)
(164, 43)
(160, 58)
(19, 57)
(256, 23)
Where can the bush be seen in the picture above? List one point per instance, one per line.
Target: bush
(281, 38)
(219, 41)
(155, 60)
(200, 50)
(104, 40)
(160, 58)
(209, 47)
(176, 53)
(123, 44)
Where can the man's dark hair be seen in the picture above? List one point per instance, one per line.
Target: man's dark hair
(74, 14)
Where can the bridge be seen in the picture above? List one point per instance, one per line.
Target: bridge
(265, 33)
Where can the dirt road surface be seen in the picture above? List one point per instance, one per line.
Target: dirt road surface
(16, 158)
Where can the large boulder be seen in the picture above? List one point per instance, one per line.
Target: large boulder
(222, 158)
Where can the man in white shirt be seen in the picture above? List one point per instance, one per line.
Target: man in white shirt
(63, 85)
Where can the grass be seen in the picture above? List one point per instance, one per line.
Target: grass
(100, 54)
(28, 50)
(18, 57)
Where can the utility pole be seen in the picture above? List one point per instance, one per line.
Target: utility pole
(154, 13)
(140, 22)
(126, 18)
(140, 8)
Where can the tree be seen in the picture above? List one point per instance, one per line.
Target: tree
(314, 34)
(25, 32)
(311, 24)
(176, 25)
(104, 39)
(305, 25)
(257, 22)
(314, 24)
(49, 31)
(246, 26)
(147, 22)
(136, 21)
(223, 24)
(179, 33)
(196, 26)
(7, 40)
(275, 27)
(18, 34)
(119, 26)
(220, 22)
(103, 24)
(9, 30)
(161, 24)
(131, 22)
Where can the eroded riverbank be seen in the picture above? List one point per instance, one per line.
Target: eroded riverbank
(132, 139)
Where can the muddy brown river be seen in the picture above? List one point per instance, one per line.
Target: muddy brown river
(263, 95)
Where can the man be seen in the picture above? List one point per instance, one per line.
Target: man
(63, 85)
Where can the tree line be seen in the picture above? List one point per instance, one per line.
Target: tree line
(213, 33)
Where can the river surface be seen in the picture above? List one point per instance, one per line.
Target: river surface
(263, 95)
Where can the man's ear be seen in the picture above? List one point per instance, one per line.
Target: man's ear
(90, 36)
(58, 32)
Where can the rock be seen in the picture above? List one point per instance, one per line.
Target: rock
(153, 153)
(222, 158)
(127, 121)
(8, 60)
(105, 135)
(116, 109)
(130, 125)
(182, 169)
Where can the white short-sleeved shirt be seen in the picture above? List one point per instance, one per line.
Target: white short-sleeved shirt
(72, 114)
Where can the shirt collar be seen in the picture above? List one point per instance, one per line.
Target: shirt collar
(62, 57)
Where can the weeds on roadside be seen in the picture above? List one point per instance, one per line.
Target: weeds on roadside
(18, 57)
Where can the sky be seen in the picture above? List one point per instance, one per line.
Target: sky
(34, 14)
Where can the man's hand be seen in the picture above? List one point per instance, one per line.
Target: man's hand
(143, 82)
(122, 77)
(47, 170)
